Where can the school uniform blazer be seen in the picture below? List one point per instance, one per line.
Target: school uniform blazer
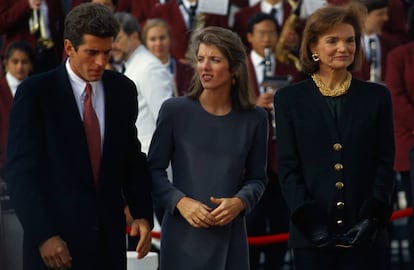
(6, 100)
(400, 81)
(335, 174)
(183, 74)
(280, 70)
(50, 177)
(364, 72)
(141, 9)
(170, 12)
(14, 24)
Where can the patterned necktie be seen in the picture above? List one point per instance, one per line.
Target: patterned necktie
(192, 16)
(273, 12)
(93, 134)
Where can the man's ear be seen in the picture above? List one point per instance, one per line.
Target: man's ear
(68, 47)
(249, 37)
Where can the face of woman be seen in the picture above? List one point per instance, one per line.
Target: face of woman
(19, 65)
(158, 42)
(336, 47)
(213, 68)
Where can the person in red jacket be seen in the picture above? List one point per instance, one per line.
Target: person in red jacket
(39, 22)
(18, 64)
(400, 81)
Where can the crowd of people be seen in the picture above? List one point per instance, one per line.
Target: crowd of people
(266, 117)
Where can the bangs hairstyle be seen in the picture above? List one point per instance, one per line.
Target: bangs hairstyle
(231, 46)
(323, 20)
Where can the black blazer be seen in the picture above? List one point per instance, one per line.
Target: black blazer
(50, 177)
(335, 174)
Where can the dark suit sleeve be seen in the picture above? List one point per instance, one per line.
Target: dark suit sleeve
(378, 206)
(137, 184)
(25, 173)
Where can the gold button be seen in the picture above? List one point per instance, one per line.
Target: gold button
(340, 205)
(339, 185)
(338, 166)
(340, 222)
(337, 147)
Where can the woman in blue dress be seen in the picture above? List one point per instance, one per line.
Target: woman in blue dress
(216, 141)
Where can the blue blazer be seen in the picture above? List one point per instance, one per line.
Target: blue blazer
(50, 178)
(335, 174)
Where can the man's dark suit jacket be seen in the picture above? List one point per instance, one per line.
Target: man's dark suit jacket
(50, 177)
(323, 163)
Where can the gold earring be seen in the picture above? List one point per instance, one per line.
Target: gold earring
(315, 57)
(233, 81)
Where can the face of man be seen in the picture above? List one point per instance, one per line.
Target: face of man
(123, 46)
(263, 36)
(375, 20)
(91, 57)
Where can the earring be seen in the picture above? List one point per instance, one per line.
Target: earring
(233, 81)
(315, 57)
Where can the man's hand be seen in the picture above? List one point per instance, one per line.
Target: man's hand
(141, 228)
(196, 213)
(55, 253)
(227, 209)
(265, 100)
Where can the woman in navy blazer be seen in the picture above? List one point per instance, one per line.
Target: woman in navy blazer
(335, 150)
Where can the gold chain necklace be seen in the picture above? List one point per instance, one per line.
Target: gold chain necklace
(326, 91)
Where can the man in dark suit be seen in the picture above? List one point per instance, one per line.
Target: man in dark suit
(69, 185)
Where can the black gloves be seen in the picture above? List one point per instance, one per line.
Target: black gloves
(363, 232)
(309, 220)
(319, 236)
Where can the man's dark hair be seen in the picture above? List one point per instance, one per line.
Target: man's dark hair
(128, 23)
(260, 17)
(89, 18)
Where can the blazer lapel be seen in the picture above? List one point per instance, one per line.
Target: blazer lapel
(68, 113)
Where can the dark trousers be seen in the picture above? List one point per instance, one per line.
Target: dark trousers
(340, 258)
(270, 216)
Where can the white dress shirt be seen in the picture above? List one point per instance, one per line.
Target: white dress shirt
(257, 61)
(266, 8)
(154, 85)
(98, 97)
(367, 50)
(13, 83)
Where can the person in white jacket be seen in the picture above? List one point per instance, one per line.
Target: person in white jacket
(153, 82)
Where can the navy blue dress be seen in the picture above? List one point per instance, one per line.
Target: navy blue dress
(220, 156)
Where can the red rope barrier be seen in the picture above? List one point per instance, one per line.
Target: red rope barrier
(401, 213)
(283, 237)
